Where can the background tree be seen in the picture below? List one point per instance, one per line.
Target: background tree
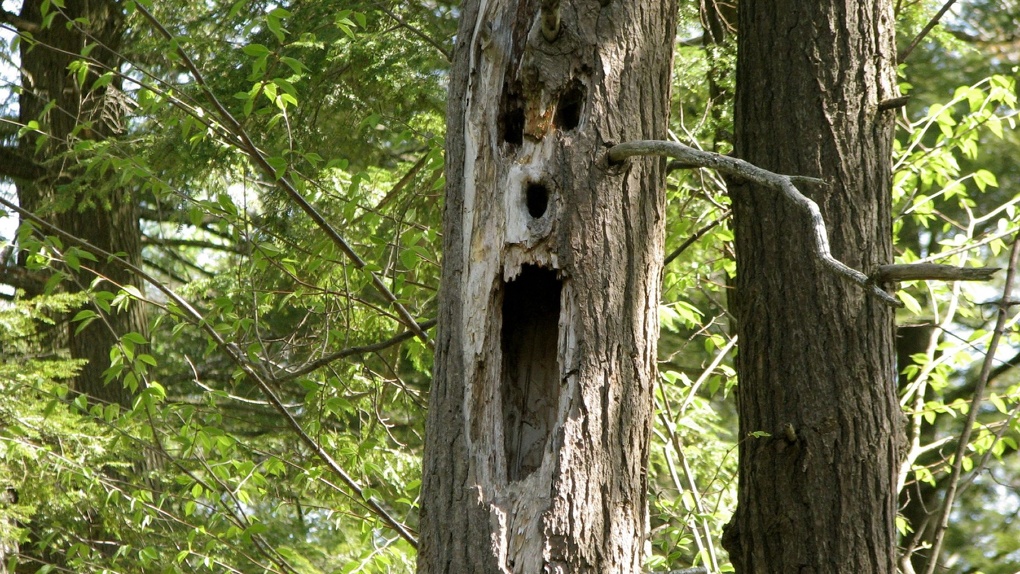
(816, 354)
(68, 103)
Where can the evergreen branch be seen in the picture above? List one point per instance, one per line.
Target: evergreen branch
(784, 184)
(283, 182)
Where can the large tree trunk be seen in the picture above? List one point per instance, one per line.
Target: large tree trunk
(540, 412)
(816, 361)
(94, 209)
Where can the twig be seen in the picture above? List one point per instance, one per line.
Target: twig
(782, 183)
(236, 355)
(697, 235)
(893, 103)
(924, 31)
(979, 389)
(256, 155)
(446, 53)
(18, 22)
(322, 362)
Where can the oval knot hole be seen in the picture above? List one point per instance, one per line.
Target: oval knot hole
(537, 198)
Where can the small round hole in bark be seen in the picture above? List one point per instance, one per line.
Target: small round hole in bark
(537, 198)
(512, 126)
(568, 107)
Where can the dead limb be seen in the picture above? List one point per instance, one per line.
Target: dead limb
(784, 184)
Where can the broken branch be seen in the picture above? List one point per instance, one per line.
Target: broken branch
(930, 271)
(781, 183)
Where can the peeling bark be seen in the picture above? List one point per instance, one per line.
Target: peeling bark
(540, 413)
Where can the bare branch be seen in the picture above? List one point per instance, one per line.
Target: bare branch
(930, 271)
(16, 166)
(893, 103)
(322, 362)
(781, 183)
(176, 242)
(19, 23)
(697, 235)
(446, 53)
(968, 427)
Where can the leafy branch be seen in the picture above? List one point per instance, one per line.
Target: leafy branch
(262, 379)
(963, 444)
(283, 182)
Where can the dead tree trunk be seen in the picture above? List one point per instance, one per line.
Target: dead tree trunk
(816, 360)
(539, 419)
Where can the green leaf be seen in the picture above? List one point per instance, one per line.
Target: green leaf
(910, 302)
(984, 178)
(135, 338)
(256, 50)
(998, 402)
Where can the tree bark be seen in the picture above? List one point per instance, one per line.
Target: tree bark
(95, 208)
(816, 360)
(540, 412)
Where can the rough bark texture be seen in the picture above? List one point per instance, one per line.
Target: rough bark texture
(540, 412)
(97, 211)
(816, 361)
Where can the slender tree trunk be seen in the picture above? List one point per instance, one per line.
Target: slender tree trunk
(97, 210)
(539, 419)
(816, 360)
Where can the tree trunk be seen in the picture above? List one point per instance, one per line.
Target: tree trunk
(816, 361)
(93, 209)
(540, 412)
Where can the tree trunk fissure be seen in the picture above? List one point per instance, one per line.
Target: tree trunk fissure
(541, 407)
